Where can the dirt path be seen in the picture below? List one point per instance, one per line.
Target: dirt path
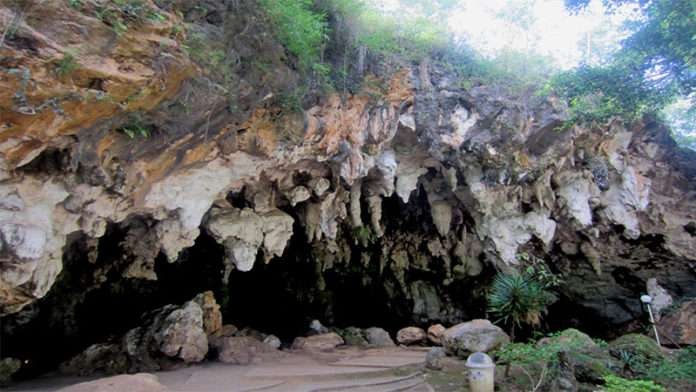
(348, 369)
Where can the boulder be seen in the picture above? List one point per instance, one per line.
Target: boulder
(212, 317)
(240, 350)
(141, 382)
(227, 330)
(353, 337)
(8, 367)
(588, 360)
(182, 335)
(679, 327)
(168, 336)
(642, 349)
(98, 358)
(411, 335)
(323, 342)
(273, 341)
(435, 334)
(317, 328)
(433, 359)
(472, 336)
(378, 337)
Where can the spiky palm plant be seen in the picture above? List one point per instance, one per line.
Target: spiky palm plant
(516, 299)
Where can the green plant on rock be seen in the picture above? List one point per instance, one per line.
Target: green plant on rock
(614, 383)
(678, 369)
(363, 235)
(517, 299)
(135, 127)
(300, 28)
(67, 64)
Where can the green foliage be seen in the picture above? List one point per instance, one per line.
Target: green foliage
(135, 127)
(517, 299)
(636, 351)
(119, 14)
(681, 368)
(536, 269)
(617, 384)
(540, 361)
(300, 28)
(412, 36)
(655, 65)
(75, 3)
(364, 236)
(67, 64)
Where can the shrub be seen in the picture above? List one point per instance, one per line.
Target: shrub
(300, 28)
(680, 369)
(517, 300)
(614, 383)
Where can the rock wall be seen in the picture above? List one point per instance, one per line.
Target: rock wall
(422, 187)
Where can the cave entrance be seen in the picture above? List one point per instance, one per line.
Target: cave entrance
(285, 295)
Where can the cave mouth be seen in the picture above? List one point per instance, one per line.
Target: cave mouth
(92, 302)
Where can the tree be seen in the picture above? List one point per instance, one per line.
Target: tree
(655, 65)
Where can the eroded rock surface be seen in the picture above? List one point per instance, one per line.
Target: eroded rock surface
(416, 191)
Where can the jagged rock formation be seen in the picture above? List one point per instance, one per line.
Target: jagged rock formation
(420, 187)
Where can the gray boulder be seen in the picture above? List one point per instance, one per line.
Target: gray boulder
(433, 359)
(472, 336)
(378, 337)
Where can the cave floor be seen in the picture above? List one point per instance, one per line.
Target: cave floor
(349, 368)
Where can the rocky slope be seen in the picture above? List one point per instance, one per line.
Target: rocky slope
(140, 157)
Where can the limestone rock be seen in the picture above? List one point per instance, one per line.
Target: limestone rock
(243, 232)
(411, 335)
(212, 317)
(378, 337)
(182, 334)
(660, 298)
(435, 333)
(323, 342)
(272, 341)
(141, 382)
(240, 350)
(433, 359)
(680, 326)
(317, 328)
(298, 195)
(168, 336)
(472, 336)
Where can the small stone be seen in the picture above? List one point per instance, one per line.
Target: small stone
(410, 335)
(435, 334)
(433, 360)
(272, 341)
(378, 337)
(323, 342)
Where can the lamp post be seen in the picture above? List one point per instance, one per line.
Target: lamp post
(647, 300)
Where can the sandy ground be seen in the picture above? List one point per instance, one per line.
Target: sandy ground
(345, 369)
